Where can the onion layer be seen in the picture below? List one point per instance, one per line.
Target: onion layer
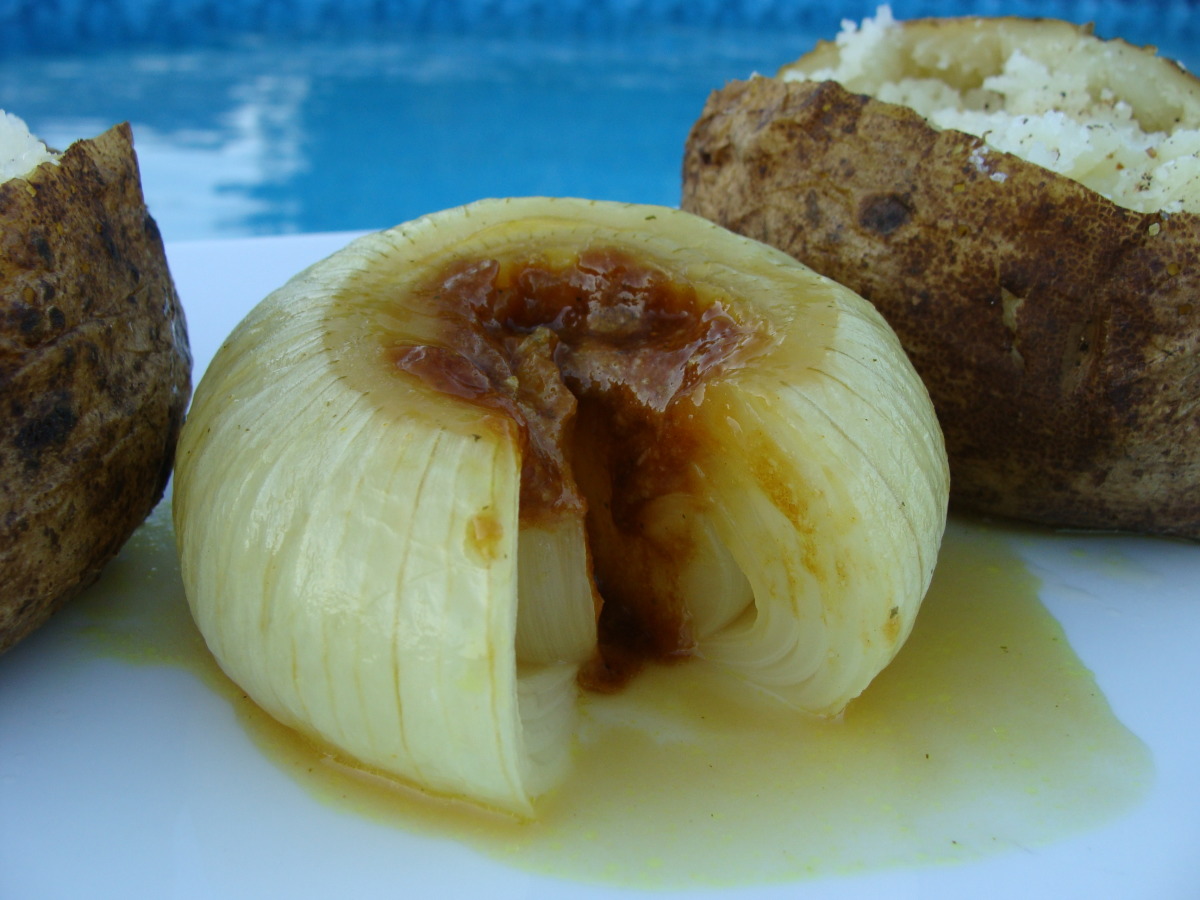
(366, 554)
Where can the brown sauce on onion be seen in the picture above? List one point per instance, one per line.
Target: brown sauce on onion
(599, 363)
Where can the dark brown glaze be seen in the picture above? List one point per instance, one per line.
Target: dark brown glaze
(598, 363)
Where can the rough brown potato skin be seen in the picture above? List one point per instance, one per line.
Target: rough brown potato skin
(95, 374)
(1057, 332)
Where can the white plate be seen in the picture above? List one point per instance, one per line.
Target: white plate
(133, 781)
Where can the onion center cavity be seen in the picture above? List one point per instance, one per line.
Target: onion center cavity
(600, 362)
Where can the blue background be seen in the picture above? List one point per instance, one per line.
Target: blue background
(284, 116)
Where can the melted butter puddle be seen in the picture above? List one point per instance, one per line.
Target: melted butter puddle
(986, 734)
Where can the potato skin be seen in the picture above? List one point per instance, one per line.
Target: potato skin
(1057, 332)
(95, 374)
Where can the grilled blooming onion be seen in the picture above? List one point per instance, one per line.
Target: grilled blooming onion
(444, 478)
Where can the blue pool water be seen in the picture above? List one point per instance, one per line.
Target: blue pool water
(266, 118)
(277, 135)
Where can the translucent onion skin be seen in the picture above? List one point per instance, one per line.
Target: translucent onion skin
(349, 538)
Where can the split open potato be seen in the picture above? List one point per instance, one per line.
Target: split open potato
(441, 479)
(94, 367)
(1021, 201)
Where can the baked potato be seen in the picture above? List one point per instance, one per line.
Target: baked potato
(95, 369)
(1054, 315)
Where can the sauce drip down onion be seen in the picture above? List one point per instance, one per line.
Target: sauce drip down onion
(601, 364)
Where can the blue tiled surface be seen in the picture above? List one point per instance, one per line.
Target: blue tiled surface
(278, 116)
(70, 24)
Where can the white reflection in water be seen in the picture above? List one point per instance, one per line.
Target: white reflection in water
(275, 137)
(272, 136)
(204, 181)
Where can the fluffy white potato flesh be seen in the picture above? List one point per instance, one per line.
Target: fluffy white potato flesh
(20, 151)
(1112, 116)
(369, 555)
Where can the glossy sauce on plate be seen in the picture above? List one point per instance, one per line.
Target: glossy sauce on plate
(986, 735)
